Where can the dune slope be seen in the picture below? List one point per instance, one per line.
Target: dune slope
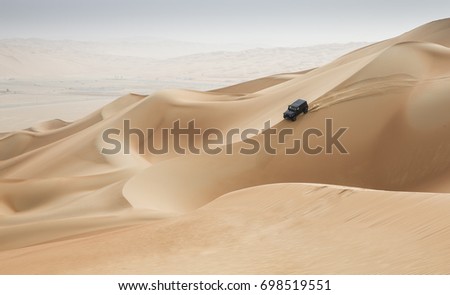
(304, 229)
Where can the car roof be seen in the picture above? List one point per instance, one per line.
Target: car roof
(298, 102)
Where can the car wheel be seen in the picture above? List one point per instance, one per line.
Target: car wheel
(306, 110)
(295, 118)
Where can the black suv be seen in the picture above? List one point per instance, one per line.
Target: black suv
(296, 108)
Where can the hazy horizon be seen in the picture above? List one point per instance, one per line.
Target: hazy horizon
(250, 23)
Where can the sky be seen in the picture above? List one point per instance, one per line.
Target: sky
(265, 23)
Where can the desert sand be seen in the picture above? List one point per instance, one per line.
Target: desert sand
(383, 208)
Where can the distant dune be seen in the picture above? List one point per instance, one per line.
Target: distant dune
(382, 208)
(45, 59)
(42, 79)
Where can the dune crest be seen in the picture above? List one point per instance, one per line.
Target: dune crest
(59, 194)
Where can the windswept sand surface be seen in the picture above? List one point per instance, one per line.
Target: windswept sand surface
(382, 208)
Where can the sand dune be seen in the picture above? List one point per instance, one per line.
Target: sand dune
(381, 208)
(272, 229)
(38, 59)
